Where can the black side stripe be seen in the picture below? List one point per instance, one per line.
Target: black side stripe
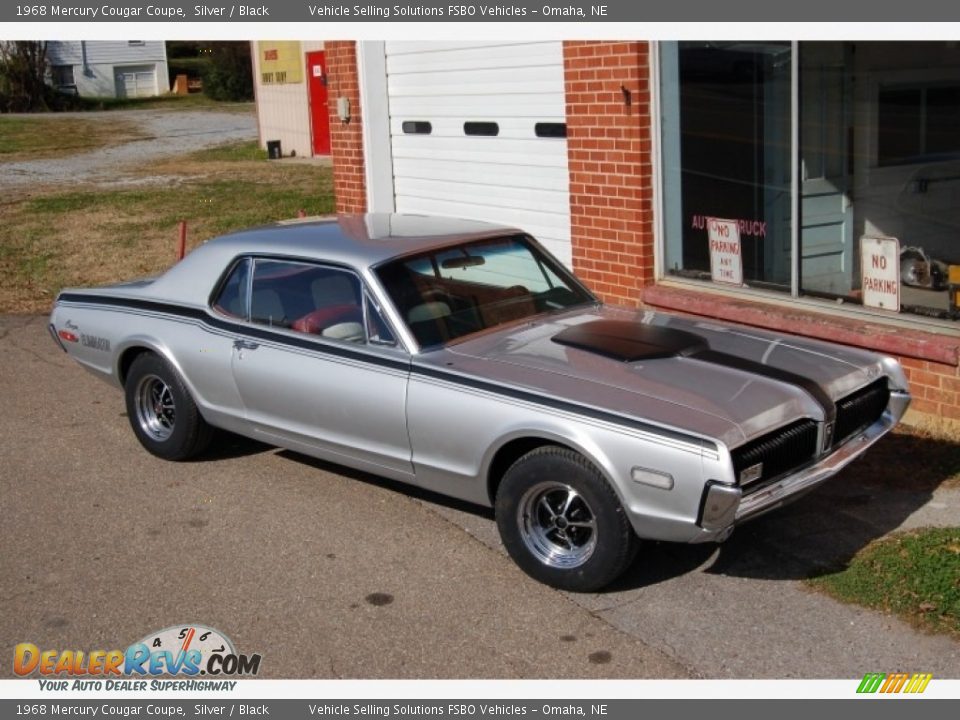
(810, 387)
(562, 405)
(305, 342)
(424, 371)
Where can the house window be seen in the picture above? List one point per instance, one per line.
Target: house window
(136, 43)
(870, 149)
(917, 123)
(63, 76)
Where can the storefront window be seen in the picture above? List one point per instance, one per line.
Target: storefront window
(726, 151)
(877, 157)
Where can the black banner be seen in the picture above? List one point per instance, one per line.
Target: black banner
(573, 11)
(323, 708)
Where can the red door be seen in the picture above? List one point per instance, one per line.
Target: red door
(319, 117)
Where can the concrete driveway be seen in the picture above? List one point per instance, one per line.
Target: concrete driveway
(328, 573)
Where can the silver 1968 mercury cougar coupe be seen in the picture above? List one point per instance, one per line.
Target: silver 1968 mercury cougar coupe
(461, 357)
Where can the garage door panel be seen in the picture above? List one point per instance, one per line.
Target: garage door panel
(478, 51)
(551, 201)
(543, 226)
(515, 128)
(505, 152)
(474, 107)
(545, 178)
(515, 177)
(491, 82)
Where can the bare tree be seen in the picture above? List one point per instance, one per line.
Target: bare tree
(23, 73)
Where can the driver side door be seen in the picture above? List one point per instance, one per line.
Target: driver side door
(317, 368)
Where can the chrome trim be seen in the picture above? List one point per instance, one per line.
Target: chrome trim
(56, 338)
(775, 494)
(719, 506)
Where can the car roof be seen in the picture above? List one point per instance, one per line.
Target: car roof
(358, 240)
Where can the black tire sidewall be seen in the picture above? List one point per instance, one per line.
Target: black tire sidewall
(184, 439)
(616, 540)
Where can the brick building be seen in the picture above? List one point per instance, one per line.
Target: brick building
(616, 155)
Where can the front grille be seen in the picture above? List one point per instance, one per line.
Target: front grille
(779, 451)
(860, 409)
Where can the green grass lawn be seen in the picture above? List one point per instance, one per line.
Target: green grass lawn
(915, 575)
(23, 138)
(93, 236)
(193, 101)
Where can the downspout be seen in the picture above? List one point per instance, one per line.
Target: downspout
(83, 59)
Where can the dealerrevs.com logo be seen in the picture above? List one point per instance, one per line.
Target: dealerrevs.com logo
(184, 651)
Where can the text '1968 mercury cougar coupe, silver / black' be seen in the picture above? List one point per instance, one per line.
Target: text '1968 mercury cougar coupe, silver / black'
(461, 357)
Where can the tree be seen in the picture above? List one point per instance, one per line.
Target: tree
(229, 75)
(23, 74)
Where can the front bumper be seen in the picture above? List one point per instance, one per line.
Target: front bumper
(724, 506)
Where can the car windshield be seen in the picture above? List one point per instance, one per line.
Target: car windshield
(455, 291)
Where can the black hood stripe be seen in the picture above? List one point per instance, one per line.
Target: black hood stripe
(813, 389)
(628, 341)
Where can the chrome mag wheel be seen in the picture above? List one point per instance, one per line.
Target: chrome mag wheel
(155, 408)
(557, 525)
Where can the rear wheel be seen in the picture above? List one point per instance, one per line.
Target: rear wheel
(162, 414)
(562, 523)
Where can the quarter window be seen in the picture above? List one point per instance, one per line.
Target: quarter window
(232, 299)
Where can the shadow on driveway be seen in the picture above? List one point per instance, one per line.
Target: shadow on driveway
(815, 535)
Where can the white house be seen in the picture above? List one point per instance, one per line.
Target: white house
(110, 68)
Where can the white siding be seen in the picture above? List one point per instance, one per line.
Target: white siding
(283, 111)
(515, 178)
(96, 76)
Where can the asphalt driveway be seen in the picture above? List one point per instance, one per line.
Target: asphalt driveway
(328, 573)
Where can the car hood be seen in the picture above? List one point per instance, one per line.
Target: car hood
(723, 382)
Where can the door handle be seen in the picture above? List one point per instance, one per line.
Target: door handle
(245, 345)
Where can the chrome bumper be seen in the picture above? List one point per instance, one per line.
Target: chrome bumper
(724, 506)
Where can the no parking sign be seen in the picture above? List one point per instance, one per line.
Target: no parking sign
(726, 260)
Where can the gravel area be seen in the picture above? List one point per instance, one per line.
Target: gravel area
(168, 133)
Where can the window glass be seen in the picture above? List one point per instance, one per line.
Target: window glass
(880, 158)
(550, 129)
(307, 298)
(460, 290)
(489, 129)
(416, 127)
(917, 123)
(877, 159)
(232, 299)
(63, 75)
(726, 150)
(378, 330)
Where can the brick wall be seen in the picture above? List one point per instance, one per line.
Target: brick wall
(935, 388)
(611, 173)
(345, 138)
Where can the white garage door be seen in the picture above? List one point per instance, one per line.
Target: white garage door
(136, 81)
(477, 130)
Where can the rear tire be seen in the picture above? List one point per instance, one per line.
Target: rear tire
(561, 521)
(163, 416)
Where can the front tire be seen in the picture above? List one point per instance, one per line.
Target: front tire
(163, 416)
(561, 521)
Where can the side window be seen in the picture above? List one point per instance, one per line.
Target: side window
(232, 299)
(307, 298)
